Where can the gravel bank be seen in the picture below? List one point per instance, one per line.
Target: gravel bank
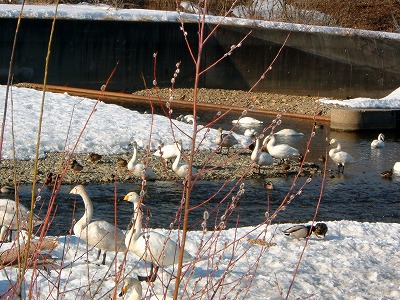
(217, 166)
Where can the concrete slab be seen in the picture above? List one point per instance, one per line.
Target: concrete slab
(353, 119)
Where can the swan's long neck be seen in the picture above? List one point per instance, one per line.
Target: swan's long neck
(271, 142)
(339, 147)
(134, 155)
(136, 293)
(175, 165)
(88, 215)
(255, 150)
(136, 230)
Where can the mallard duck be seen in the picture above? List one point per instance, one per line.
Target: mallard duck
(259, 157)
(305, 231)
(150, 246)
(95, 158)
(225, 140)
(379, 143)
(49, 179)
(99, 234)
(341, 158)
(76, 167)
(280, 151)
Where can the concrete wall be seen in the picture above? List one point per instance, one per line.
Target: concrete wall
(84, 53)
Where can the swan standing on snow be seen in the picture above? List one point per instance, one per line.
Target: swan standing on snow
(340, 157)
(133, 283)
(8, 217)
(225, 140)
(139, 169)
(247, 121)
(150, 246)
(181, 169)
(259, 157)
(280, 151)
(379, 143)
(99, 234)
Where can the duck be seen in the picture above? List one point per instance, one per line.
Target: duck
(379, 143)
(289, 132)
(137, 293)
(7, 189)
(150, 246)
(99, 234)
(94, 157)
(122, 163)
(8, 209)
(138, 169)
(305, 231)
(259, 157)
(396, 167)
(181, 169)
(225, 140)
(387, 174)
(247, 121)
(269, 186)
(167, 152)
(189, 119)
(280, 151)
(49, 179)
(76, 167)
(341, 158)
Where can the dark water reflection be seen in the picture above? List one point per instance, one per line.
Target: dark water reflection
(360, 194)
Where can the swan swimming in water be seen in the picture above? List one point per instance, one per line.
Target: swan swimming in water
(139, 169)
(379, 143)
(289, 132)
(280, 151)
(341, 158)
(99, 234)
(247, 121)
(8, 217)
(150, 246)
(396, 167)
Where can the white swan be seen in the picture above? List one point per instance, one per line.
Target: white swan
(168, 151)
(247, 121)
(259, 157)
(181, 169)
(396, 167)
(340, 157)
(99, 234)
(133, 283)
(225, 140)
(8, 217)
(280, 151)
(150, 246)
(379, 143)
(138, 169)
(289, 132)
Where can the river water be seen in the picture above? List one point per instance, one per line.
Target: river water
(360, 194)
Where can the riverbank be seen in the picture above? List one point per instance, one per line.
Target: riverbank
(216, 166)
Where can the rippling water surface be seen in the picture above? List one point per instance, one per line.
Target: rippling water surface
(360, 194)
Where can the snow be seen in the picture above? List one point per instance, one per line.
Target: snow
(391, 101)
(354, 261)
